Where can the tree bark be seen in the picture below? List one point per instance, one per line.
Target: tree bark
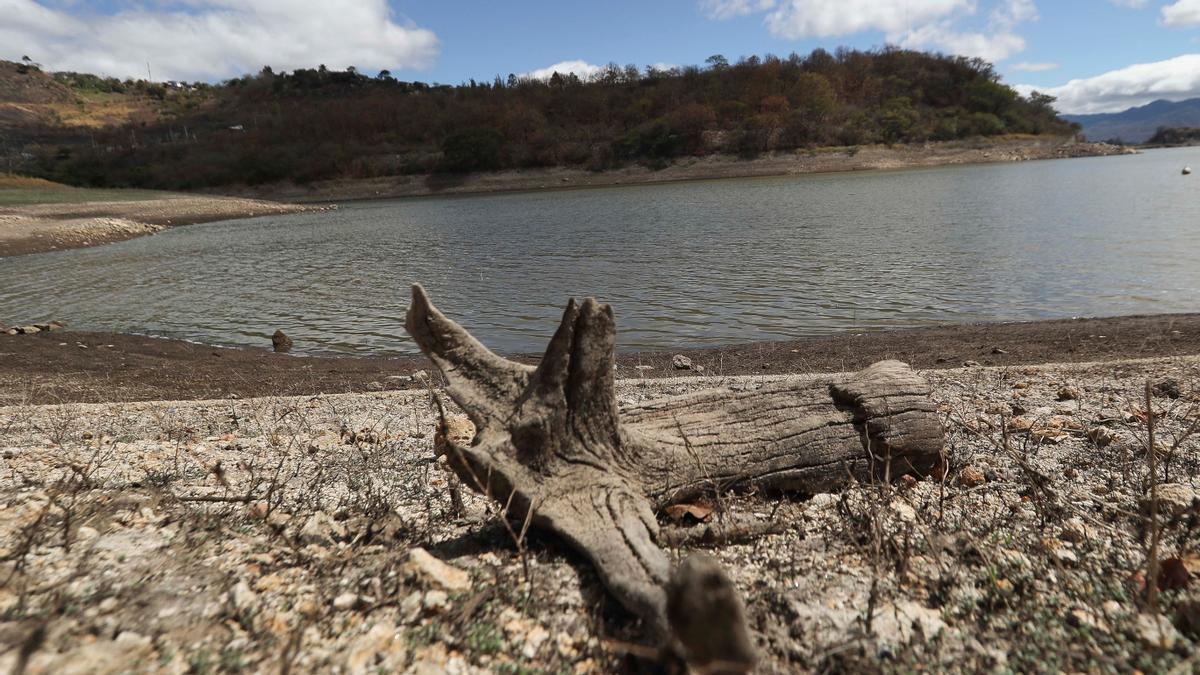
(553, 440)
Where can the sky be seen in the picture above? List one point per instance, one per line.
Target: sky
(1094, 55)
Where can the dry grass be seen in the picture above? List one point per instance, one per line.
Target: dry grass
(10, 181)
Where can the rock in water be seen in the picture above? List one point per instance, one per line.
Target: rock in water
(281, 342)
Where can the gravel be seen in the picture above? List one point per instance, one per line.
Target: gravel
(231, 535)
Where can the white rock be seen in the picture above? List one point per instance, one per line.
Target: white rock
(428, 569)
(1156, 631)
(534, 640)
(436, 601)
(345, 601)
(321, 529)
(243, 600)
(410, 607)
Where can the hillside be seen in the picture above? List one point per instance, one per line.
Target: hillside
(319, 124)
(34, 103)
(1137, 125)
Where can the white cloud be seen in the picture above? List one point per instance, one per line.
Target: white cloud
(1027, 67)
(1182, 13)
(992, 46)
(581, 68)
(917, 24)
(796, 19)
(727, 9)
(1012, 12)
(1174, 79)
(214, 39)
(997, 43)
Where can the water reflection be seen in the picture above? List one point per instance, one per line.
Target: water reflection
(683, 264)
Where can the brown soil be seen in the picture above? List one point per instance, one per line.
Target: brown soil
(94, 367)
(38, 228)
(823, 160)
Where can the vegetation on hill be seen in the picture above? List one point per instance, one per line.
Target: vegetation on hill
(314, 124)
(1175, 136)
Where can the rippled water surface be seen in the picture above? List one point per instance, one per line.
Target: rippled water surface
(684, 264)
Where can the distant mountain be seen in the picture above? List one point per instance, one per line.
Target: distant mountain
(1137, 125)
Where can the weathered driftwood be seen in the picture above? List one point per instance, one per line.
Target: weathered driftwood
(553, 445)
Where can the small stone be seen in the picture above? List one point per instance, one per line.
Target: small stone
(321, 529)
(1174, 499)
(459, 430)
(307, 608)
(534, 640)
(420, 377)
(1102, 436)
(1068, 394)
(681, 362)
(1074, 531)
(422, 565)
(281, 342)
(379, 650)
(436, 601)
(971, 477)
(1020, 424)
(345, 601)
(410, 607)
(999, 409)
(1156, 631)
(823, 500)
(374, 386)
(970, 364)
(242, 600)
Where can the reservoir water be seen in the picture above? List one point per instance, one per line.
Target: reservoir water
(684, 264)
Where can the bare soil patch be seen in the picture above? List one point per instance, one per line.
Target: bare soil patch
(76, 366)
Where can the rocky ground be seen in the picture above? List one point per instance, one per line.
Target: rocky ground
(317, 534)
(37, 228)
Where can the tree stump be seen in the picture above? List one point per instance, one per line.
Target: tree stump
(553, 445)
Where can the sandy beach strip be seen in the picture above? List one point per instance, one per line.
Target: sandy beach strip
(38, 228)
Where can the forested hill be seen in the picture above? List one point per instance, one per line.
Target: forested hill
(314, 124)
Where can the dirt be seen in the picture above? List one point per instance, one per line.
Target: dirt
(823, 160)
(38, 228)
(282, 535)
(70, 366)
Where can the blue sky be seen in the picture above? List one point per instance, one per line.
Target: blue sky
(1079, 50)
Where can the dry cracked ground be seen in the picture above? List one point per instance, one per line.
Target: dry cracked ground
(317, 534)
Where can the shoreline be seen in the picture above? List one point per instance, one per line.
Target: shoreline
(710, 167)
(45, 227)
(89, 367)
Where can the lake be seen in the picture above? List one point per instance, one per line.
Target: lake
(684, 264)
